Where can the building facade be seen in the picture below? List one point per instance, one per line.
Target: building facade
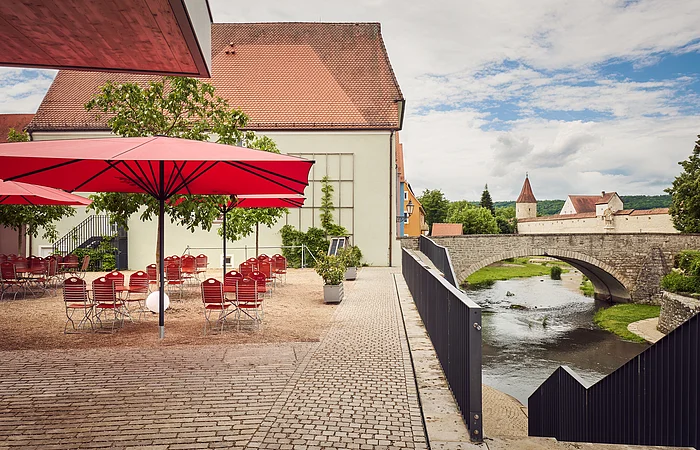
(321, 91)
(415, 223)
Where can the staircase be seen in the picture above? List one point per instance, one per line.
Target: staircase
(87, 234)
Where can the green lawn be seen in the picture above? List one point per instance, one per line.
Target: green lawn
(486, 276)
(587, 288)
(616, 318)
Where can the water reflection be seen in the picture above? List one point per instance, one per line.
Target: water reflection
(531, 326)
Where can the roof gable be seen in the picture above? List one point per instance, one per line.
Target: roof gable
(526, 195)
(283, 75)
(587, 203)
(446, 229)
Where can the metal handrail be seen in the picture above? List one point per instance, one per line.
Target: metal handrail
(95, 226)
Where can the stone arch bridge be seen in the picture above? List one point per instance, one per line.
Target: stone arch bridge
(622, 267)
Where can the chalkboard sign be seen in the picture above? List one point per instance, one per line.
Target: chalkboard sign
(336, 244)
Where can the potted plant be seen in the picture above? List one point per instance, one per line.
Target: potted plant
(352, 257)
(331, 269)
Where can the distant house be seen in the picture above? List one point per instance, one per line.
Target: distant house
(17, 121)
(415, 224)
(322, 91)
(602, 213)
(446, 229)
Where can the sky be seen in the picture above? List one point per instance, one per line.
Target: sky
(585, 96)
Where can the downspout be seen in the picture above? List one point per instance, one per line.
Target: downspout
(392, 220)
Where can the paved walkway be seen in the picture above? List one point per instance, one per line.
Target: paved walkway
(353, 389)
(646, 329)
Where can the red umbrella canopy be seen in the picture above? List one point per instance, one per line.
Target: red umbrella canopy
(269, 201)
(160, 166)
(15, 193)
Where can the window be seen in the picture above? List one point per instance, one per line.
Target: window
(405, 195)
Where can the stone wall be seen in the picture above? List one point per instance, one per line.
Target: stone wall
(651, 223)
(676, 309)
(622, 267)
(410, 242)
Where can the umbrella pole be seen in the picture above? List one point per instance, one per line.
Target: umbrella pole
(161, 245)
(223, 277)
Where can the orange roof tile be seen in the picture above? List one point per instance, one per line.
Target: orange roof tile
(446, 229)
(16, 121)
(592, 214)
(526, 195)
(283, 75)
(586, 203)
(649, 212)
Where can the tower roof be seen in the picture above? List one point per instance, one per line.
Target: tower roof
(526, 195)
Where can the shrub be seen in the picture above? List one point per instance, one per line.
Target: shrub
(351, 256)
(555, 273)
(102, 257)
(677, 282)
(689, 262)
(314, 239)
(331, 269)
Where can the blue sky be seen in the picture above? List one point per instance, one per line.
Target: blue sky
(585, 96)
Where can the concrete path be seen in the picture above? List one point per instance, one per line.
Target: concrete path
(353, 389)
(646, 329)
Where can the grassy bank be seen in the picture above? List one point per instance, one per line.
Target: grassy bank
(616, 318)
(518, 268)
(587, 287)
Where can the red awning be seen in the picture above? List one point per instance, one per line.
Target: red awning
(270, 201)
(15, 193)
(133, 165)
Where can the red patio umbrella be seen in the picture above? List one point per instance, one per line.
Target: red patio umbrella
(159, 166)
(258, 201)
(16, 193)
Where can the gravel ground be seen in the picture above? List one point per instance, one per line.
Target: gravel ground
(296, 313)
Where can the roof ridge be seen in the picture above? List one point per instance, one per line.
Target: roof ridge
(296, 22)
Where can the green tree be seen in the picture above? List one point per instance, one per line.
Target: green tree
(173, 106)
(486, 201)
(685, 194)
(241, 222)
(474, 220)
(33, 218)
(505, 218)
(327, 208)
(435, 205)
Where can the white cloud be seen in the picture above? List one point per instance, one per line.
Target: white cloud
(21, 91)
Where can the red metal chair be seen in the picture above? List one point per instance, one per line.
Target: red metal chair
(70, 263)
(202, 261)
(261, 280)
(152, 271)
(173, 277)
(118, 278)
(248, 301)
(231, 279)
(136, 292)
(245, 268)
(280, 264)
(10, 280)
(76, 300)
(189, 267)
(265, 267)
(82, 270)
(3, 258)
(105, 299)
(263, 257)
(176, 259)
(253, 262)
(21, 264)
(215, 302)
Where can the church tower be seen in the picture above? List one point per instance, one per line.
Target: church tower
(526, 204)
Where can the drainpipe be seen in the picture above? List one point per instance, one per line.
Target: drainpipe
(392, 218)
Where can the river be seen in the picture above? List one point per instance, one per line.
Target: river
(522, 347)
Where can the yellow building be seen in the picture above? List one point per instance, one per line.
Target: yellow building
(415, 223)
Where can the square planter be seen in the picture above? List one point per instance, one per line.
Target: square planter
(333, 293)
(350, 273)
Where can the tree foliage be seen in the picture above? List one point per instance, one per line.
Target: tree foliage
(505, 218)
(327, 208)
(685, 194)
(474, 220)
(17, 136)
(435, 205)
(486, 201)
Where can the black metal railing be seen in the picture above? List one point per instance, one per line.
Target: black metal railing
(87, 234)
(651, 400)
(453, 323)
(440, 257)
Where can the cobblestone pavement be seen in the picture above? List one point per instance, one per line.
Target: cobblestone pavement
(353, 389)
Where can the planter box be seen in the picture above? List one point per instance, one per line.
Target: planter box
(333, 293)
(350, 273)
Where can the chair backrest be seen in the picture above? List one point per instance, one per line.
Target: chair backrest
(40, 266)
(58, 257)
(152, 271)
(263, 257)
(212, 292)
(266, 268)
(3, 258)
(176, 259)
(173, 272)
(280, 263)
(260, 279)
(53, 265)
(116, 277)
(247, 291)
(232, 277)
(103, 291)
(12, 257)
(21, 264)
(7, 271)
(189, 263)
(245, 268)
(74, 290)
(202, 261)
(71, 261)
(138, 281)
(32, 261)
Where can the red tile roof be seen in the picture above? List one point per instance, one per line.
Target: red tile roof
(649, 212)
(526, 195)
(586, 203)
(446, 229)
(16, 121)
(283, 75)
(592, 214)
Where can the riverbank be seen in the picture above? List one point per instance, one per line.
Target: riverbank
(510, 269)
(617, 318)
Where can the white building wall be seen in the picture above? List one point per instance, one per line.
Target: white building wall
(568, 207)
(361, 165)
(525, 210)
(615, 204)
(653, 223)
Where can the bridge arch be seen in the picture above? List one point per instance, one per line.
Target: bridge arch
(609, 284)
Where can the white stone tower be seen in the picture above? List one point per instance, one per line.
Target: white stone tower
(526, 204)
